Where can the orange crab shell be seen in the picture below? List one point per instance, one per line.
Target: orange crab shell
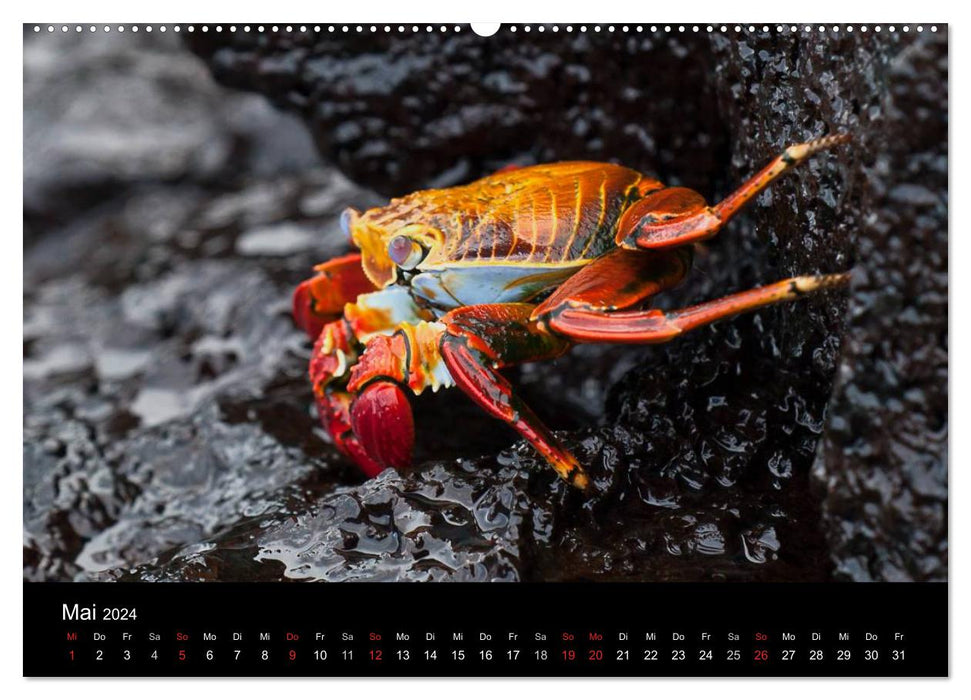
(556, 215)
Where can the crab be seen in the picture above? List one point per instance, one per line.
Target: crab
(450, 286)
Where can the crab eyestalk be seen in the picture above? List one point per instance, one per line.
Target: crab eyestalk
(348, 217)
(405, 253)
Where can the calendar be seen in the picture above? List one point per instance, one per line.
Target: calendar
(388, 349)
(502, 630)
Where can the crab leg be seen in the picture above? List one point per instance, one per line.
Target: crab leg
(480, 339)
(676, 216)
(320, 299)
(618, 280)
(654, 326)
(462, 349)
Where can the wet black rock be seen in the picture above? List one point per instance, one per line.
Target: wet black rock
(442, 524)
(883, 463)
(884, 458)
(168, 428)
(404, 111)
(146, 382)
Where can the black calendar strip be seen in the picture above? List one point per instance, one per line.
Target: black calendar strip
(369, 629)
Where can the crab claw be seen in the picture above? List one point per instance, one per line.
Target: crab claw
(334, 409)
(382, 421)
(321, 299)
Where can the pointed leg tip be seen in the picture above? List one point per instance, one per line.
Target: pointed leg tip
(799, 152)
(839, 137)
(581, 481)
(568, 468)
(813, 283)
(829, 141)
(838, 279)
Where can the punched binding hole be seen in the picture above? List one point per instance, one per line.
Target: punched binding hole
(485, 28)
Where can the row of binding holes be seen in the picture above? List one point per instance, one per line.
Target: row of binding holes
(710, 28)
(340, 28)
(414, 28)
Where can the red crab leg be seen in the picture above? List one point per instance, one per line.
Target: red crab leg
(619, 280)
(479, 338)
(654, 326)
(320, 299)
(676, 216)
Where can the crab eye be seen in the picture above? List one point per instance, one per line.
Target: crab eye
(348, 217)
(405, 253)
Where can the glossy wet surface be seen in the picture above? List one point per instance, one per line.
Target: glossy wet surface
(169, 431)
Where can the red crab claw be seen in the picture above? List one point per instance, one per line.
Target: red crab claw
(382, 421)
(321, 299)
(334, 410)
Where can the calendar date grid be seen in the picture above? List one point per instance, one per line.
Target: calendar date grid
(485, 630)
(563, 649)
